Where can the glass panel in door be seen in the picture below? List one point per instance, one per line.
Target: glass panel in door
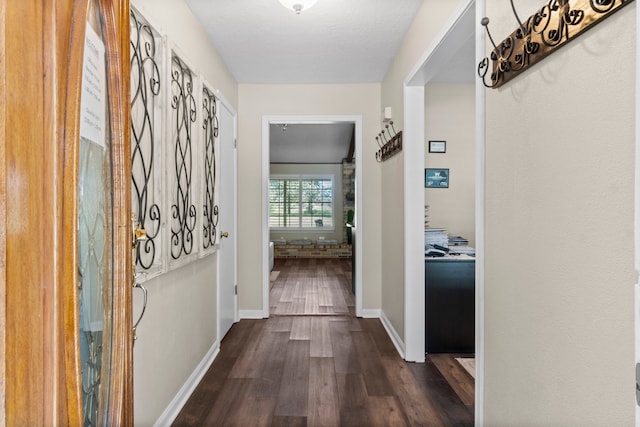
(95, 228)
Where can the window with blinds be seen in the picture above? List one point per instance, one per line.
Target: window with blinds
(301, 202)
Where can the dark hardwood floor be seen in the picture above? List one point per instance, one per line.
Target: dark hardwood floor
(325, 369)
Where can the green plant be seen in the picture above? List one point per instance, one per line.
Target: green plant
(349, 226)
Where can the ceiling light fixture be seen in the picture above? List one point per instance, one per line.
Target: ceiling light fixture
(298, 5)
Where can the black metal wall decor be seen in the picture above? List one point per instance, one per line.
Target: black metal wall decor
(145, 96)
(554, 25)
(183, 116)
(210, 127)
(389, 143)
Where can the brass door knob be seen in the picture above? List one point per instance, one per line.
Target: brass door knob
(224, 234)
(140, 234)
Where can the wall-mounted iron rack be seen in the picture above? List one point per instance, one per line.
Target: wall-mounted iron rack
(554, 25)
(389, 143)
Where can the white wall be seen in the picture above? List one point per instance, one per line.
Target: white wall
(392, 230)
(180, 323)
(426, 26)
(450, 116)
(178, 329)
(559, 232)
(559, 225)
(256, 101)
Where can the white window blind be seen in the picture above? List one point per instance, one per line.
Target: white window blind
(301, 202)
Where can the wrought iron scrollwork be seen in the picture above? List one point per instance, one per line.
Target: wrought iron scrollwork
(145, 91)
(183, 211)
(94, 272)
(210, 126)
(389, 143)
(91, 344)
(554, 25)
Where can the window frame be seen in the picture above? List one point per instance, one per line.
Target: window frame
(188, 231)
(209, 174)
(157, 106)
(300, 178)
(160, 183)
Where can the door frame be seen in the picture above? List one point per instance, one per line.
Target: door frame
(224, 103)
(435, 57)
(637, 216)
(39, 354)
(266, 146)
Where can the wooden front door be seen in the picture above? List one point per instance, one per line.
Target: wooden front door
(65, 215)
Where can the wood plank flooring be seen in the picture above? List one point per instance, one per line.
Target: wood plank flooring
(306, 286)
(326, 369)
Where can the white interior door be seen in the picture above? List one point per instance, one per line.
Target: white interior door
(227, 257)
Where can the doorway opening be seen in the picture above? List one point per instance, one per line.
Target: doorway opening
(442, 55)
(312, 214)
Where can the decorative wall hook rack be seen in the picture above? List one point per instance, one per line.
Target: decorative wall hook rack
(554, 25)
(388, 142)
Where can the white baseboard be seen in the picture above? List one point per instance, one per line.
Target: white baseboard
(175, 406)
(371, 313)
(393, 334)
(251, 314)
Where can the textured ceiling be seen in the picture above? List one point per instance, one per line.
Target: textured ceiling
(335, 41)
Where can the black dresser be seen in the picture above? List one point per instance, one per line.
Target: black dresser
(450, 304)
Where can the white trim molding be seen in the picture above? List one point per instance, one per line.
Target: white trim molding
(414, 292)
(480, 220)
(637, 215)
(370, 313)
(175, 406)
(393, 334)
(266, 121)
(251, 314)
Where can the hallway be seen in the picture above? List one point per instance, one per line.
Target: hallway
(329, 369)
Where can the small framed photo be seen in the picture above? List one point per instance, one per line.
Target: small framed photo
(436, 178)
(437, 146)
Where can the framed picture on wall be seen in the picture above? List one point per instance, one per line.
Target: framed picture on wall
(436, 178)
(437, 146)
